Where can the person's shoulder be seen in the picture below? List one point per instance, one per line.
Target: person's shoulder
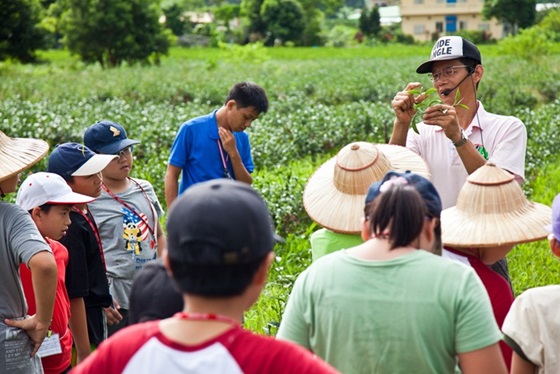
(144, 184)
(284, 356)
(198, 121)
(540, 295)
(488, 117)
(8, 209)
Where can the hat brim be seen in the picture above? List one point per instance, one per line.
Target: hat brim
(71, 198)
(342, 212)
(462, 229)
(18, 154)
(116, 147)
(94, 165)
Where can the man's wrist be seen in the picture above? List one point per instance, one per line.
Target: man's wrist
(462, 140)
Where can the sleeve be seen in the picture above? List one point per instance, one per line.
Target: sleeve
(245, 152)
(414, 140)
(147, 186)
(113, 354)
(476, 326)
(179, 150)
(510, 149)
(294, 326)
(25, 238)
(522, 329)
(77, 283)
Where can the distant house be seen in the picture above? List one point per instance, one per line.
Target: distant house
(388, 14)
(423, 18)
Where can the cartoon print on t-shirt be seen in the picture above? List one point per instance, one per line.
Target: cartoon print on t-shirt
(135, 231)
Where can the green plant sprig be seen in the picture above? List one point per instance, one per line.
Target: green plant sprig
(429, 101)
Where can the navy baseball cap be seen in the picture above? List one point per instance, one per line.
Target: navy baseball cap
(219, 222)
(426, 189)
(107, 137)
(74, 159)
(450, 48)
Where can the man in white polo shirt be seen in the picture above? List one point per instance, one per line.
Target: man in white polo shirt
(455, 140)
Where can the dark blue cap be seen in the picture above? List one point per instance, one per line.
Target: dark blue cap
(107, 137)
(426, 189)
(74, 159)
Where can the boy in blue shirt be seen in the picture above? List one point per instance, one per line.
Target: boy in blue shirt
(215, 146)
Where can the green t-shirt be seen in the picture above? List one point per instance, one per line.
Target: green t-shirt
(324, 241)
(412, 314)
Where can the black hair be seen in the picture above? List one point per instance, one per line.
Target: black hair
(248, 94)
(214, 280)
(471, 65)
(45, 208)
(401, 211)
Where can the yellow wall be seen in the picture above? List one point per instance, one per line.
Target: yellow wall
(420, 17)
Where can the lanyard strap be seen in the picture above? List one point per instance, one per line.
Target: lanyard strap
(224, 160)
(95, 230)
(206, 317)
(126, 205)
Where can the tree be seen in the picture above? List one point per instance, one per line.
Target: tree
(252, 10)
(284, 19)
(20, 33)
(514, 13)
(370, 23)
(114, 31)
(226, 13)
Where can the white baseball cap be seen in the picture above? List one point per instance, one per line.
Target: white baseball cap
(42, 188)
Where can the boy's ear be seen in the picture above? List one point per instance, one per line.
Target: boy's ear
(36, 213)
(230, 104)
(261, 275)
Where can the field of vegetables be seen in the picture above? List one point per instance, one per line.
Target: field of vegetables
(321, 99)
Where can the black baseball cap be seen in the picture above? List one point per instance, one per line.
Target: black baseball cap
(219, 222)
(450, 48)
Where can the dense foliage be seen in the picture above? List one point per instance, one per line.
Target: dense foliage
(20, 32)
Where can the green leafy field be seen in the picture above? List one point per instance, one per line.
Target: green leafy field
(321, 99)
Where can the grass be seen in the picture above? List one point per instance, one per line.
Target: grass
(532, 264)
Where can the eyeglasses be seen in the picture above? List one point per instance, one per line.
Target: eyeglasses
(446, 73)
(124, 152)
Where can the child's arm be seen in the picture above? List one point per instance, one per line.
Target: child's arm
(44, 275)
(78, 326)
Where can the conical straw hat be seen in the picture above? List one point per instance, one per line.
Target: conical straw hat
(334, 196)
(17, 154)
(492, 211)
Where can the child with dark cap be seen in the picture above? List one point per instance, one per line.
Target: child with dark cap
(220, 242)
(86, 278)
(127, 213)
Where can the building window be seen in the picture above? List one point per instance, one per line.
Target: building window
(462, 25)
(418, 1)
(484, 27)
(419, 29)
(439, 27)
